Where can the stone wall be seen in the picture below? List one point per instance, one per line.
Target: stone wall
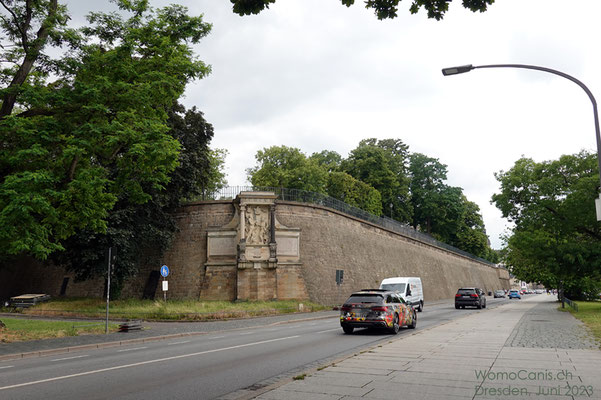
(367, 254)
(187, 255)
(27, 275)
(312, 243)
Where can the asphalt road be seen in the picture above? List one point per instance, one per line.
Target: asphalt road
(199, 367)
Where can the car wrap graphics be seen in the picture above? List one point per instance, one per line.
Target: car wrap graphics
(377, 308)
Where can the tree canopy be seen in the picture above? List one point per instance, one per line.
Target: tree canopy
(382, 164)
(383, 9)
(378, 173)
(85, 130)
(289, 167)
(556, 238)
(141, 233)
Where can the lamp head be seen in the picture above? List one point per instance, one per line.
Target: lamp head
(457, 70)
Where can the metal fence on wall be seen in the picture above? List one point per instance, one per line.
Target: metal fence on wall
(303, 196)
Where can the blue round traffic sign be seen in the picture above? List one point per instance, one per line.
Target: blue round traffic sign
(164, 271)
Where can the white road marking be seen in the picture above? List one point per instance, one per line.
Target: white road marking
(135, 348)
(246, 333)
(172, 343)
(69, 358)
(328, 330)
(58, 378)
(8, 366)
(216, 337)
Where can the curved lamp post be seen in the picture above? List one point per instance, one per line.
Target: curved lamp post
(466, 68)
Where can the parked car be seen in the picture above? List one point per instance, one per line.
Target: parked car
(473, 297)
(410, 289)
(376, 308)
(514, 294)
(499, 293)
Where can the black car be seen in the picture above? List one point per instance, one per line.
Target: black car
(376, 308)
(473, 297)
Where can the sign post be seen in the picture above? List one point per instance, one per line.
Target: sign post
(164, 274)
(111, 254)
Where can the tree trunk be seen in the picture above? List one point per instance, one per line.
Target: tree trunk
(32, 54)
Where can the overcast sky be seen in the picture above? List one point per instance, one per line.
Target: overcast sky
(317, 75)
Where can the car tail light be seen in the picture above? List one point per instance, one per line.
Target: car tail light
(474, 295)
(457, 295)
(345, 308)
(379, 309)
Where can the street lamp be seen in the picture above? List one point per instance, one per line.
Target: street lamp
(466, 68)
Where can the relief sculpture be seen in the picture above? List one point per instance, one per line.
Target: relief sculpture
(257, 225)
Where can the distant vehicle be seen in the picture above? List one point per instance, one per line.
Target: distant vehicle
(473, 297)
(540, 291)
(514, 294)
(376, 308)
(499, 293)
(410, 289)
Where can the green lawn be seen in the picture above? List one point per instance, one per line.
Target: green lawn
(180, 310)
(18, 330)
(589, 312)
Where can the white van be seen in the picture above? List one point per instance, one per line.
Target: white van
(409, 288)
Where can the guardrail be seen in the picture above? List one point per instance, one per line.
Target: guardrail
(303, 196)
(572, 304)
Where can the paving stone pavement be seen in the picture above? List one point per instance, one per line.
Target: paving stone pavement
(537, 329)
(525, 349)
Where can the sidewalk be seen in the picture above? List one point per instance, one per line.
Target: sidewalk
(522, 350)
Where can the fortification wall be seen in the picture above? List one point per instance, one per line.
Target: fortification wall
(328, 240)
(367, 254)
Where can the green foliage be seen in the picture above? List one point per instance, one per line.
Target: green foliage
(288, 167)
(344, 187)
(556, 238)
(90, 127)
(328, 159)
(382, 8)
(383, 165)
(139, 234)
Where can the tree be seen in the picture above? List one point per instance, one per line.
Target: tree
(141, 233)
(328, 159)
(88, 129)
(344, 187)
(556, 238)
(382, 165)
(383, 8)
(427, 190)
(287, 167)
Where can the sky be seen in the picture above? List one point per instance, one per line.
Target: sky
(316, 75)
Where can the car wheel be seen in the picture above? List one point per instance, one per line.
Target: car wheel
(457, 306)
(395, 325)
(479, 306)
(421, 306)
(484, 305)
(414, 321)
(348, 329)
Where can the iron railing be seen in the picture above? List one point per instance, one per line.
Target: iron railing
(570, 303)
(303, 196)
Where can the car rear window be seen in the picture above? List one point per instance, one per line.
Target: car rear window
(366, 298)
(398, 287)
(466, 291)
